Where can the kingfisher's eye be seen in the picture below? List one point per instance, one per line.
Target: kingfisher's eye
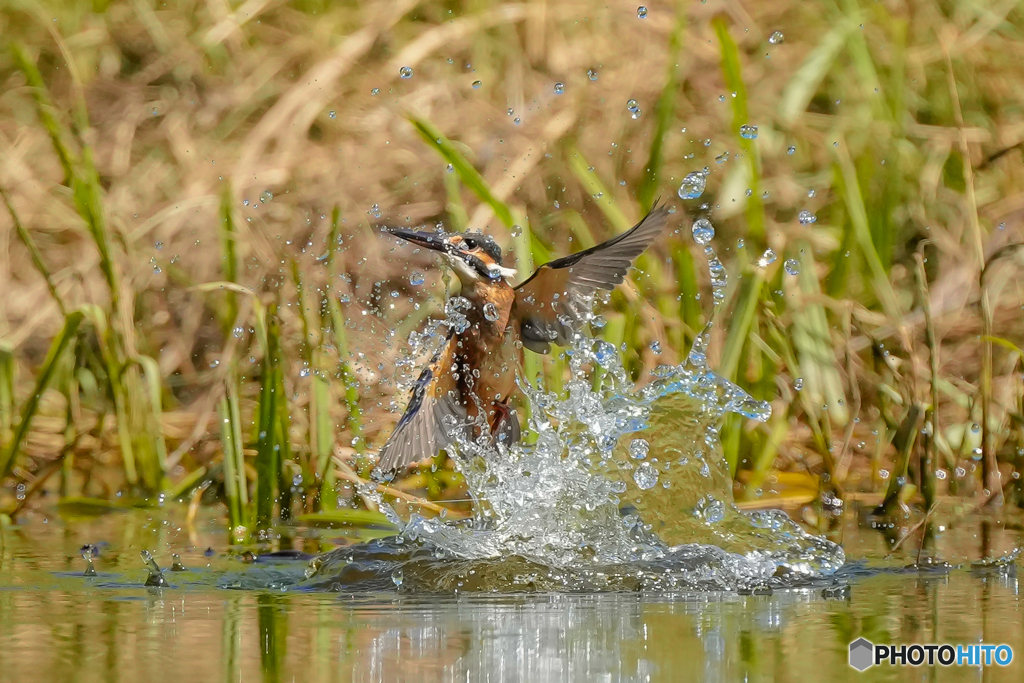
(469, 242)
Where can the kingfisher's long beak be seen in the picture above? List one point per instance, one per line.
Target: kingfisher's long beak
(429, 240)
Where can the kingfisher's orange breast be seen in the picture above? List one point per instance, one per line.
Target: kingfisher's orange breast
(488, 348)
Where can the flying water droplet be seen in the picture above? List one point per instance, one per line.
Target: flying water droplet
(693, 185)
(656, 347)
(791, 150)
(798, 383)
(374, 211)
(375, 91)
(605, 353)
(776, 38)
(266, 196)
(792, 266)
(405, 72)
(559, 88)
(333, 114)
(417, 279)
(748, 132)
(516, 230)
(477, 84)
(397, 578)
(703, 231)
(491, 312)
(806, 218)
(592, 74)
(639, 448)
(641, 12)
(645, 476)
(632, 105)
(767, 258)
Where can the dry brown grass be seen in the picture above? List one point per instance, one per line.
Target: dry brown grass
(271, 96)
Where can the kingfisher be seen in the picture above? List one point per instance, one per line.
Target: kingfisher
(470, 380)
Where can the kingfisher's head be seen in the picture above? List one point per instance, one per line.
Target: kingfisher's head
(474, 256)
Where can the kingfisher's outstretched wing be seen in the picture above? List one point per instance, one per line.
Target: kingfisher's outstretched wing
(434, 415)
(555, 301)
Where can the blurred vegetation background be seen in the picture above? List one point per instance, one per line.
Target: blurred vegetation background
(197, 303)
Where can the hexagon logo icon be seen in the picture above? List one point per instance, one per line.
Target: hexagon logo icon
(862, 654)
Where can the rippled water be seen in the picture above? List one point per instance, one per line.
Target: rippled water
(213, 622)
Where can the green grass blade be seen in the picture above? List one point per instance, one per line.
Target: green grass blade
(112, 366)
(347, 376)
(267, 451)
(344, 372)
(81, 173)
(229, 447)
(46, 373)
(34, 253)
(45, 110)
(850, 189)
(8, 370)
(597, 190)
(284, 448)
(860, 55)
(470, 177)
(740, 322)
(319, 396)
(580, 230)
(323, 429)
(332, 244)
(814, 346)
(345, 517)
(663, 115)
(189, 484)
(228, 241)
(236, 485)
(733, 75)
(456, 209)
(686, 277)
(801, 87)
(156, 465)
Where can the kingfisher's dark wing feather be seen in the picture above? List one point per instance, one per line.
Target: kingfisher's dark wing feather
(432, 418)
(557, 299)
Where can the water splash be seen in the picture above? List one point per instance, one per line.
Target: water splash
(155, 576)
(623, 488)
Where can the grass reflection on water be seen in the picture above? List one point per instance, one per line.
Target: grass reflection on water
(57, 625)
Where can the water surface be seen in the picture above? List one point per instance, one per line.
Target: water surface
(57, 625)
